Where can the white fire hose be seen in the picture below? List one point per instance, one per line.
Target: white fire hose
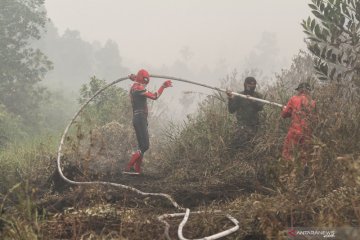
(219, 89)
(174, 203)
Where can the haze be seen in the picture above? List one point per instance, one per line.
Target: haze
(158, 32)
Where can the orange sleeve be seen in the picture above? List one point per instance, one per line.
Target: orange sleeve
(286, 112)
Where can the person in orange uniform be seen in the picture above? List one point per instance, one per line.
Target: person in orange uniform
(301, 109)
(139, 96)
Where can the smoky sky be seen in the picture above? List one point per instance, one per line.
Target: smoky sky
(157, 32)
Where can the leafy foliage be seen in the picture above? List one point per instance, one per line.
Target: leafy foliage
(21, 67)
(333, 37)
(112, 104)
(11, 127)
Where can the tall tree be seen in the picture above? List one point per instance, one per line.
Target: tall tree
(109, 62)
(21, 66)
(75, 59)
(333, 37)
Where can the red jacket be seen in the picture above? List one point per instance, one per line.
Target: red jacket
(301, 109)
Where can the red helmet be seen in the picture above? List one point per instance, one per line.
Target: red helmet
(142, 77)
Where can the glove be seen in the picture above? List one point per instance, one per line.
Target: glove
(167, 84)
(132, 77)
(229, 93)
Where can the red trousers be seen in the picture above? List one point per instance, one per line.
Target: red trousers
(296, 144)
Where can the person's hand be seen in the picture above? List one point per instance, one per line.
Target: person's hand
(229, 93)
(167, 84)
(284, 108)
(132, 77)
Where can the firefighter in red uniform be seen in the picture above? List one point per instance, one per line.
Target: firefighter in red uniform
(139, 96)
(301, 109)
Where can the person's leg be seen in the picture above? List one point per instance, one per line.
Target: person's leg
(287, 147)
(138, 126)
(290, 145)
(241, 139)
(134, 157)
(305, 149)
(137, 165)
(142, 135)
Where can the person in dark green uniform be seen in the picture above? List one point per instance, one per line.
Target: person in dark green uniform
(247, 113)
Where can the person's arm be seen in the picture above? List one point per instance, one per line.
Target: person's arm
(157, 94)
(233, 104)
(287, 110)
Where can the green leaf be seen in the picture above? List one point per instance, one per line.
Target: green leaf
(332, 73)
(356, 40)
(318, 15)
(317, 31)
(316, 49)
(351, 60)
(333, 58)
(325, 33)
(308, 21)
(312, 24)
(342, 20)
(338, 78)
(340, 56)
(307, 33)
(345, 10)
(303, 24)
(329, 12)
(322, 7)
(314, 39)
(328, 54)
(354, 3)
(324, 68)
(323, 53)
(326, 25)
(312, 6)
(322, 78)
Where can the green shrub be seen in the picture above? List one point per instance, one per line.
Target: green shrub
(11, 127)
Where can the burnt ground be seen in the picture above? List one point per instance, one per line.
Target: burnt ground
(188, 195)
(73, 212)
(103, 212)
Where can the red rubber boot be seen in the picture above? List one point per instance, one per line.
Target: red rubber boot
(136, 155)
(137, 165)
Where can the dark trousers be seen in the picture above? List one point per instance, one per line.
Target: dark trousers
(243, 136)
(141, 129)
